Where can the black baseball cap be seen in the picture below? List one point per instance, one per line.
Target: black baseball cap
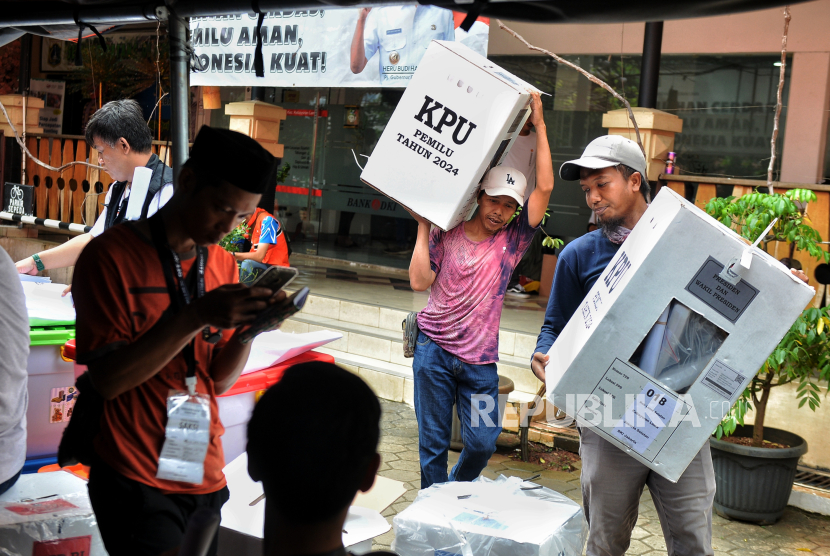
(233, 157)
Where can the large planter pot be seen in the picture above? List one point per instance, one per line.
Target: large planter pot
(754, 484)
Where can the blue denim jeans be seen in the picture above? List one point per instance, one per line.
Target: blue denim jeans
(441, 380)
(250, 271)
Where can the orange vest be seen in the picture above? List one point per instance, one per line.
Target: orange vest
(277, 254)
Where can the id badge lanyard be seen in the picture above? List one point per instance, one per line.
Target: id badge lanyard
(187, 433)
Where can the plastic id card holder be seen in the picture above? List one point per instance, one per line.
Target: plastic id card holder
(186, 438)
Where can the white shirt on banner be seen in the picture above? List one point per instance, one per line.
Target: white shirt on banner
(400, 36)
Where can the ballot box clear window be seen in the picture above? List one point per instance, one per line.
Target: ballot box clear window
(679, 346)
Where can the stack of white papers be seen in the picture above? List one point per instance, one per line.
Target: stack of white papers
(45, 303)
(272, 348)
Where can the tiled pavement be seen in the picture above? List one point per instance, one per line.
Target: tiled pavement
(797, 533)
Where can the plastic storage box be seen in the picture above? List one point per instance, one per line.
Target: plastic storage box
(51, 387)
(48, 514)
(52, 390)
(506, 517)
(237, 404)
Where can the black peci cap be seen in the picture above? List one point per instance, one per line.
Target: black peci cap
(233, 157)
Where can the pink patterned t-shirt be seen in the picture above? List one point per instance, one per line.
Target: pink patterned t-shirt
(464, 308)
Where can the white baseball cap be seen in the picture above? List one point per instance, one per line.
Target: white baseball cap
(603, 152)
(503, 180)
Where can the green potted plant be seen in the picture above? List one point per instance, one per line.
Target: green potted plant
(754, 464)
(233, 242)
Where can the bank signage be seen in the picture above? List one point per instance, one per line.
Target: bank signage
(364, 203)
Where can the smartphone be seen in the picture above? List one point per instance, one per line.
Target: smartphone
(275, 278)
(273, 317)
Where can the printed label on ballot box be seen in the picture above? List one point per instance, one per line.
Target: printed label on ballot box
(630, 407)
(75, 546)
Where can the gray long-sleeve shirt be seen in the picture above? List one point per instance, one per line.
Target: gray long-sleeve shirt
(14, 347)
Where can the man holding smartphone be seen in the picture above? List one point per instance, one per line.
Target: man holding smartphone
(158, 316)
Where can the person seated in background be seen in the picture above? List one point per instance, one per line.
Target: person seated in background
(121, 142)
(269, 245)
(307, 499)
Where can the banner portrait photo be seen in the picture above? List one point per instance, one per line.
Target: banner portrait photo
(354, 47)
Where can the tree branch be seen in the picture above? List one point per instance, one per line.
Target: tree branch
(587, 74)
(787, 18)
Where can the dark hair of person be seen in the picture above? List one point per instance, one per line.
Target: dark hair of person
(791, 263)
(628, 171)
(120, 118)
(309, 400)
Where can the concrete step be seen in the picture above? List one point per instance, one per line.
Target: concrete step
(389, 380)
(384, 346)
(387, 319)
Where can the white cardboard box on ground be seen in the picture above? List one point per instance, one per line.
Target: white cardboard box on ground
(494, 518)
(51, 510)
(240, 531)
(676, 252)
(457, 118)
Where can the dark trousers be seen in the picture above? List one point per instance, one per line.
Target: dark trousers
(136, 519)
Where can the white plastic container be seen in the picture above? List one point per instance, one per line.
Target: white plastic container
(48, 513)
(506, 517)
(51, 389)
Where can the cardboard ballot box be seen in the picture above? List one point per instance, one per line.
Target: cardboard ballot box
(671, 334)
(48, 514)
(505, 517)
(457, 118)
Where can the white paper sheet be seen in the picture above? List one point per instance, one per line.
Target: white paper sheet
(274, 347)
(44, 302)
(138, 192)
(37, 279)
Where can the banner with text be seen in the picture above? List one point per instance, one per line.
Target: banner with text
(365, 47)
(52, 93)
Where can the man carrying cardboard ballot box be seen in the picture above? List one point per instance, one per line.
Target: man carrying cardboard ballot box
(611, 172)
(469, 268)
(122, 142)
(156, 301)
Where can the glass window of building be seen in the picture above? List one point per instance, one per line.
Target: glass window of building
(726, 103)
